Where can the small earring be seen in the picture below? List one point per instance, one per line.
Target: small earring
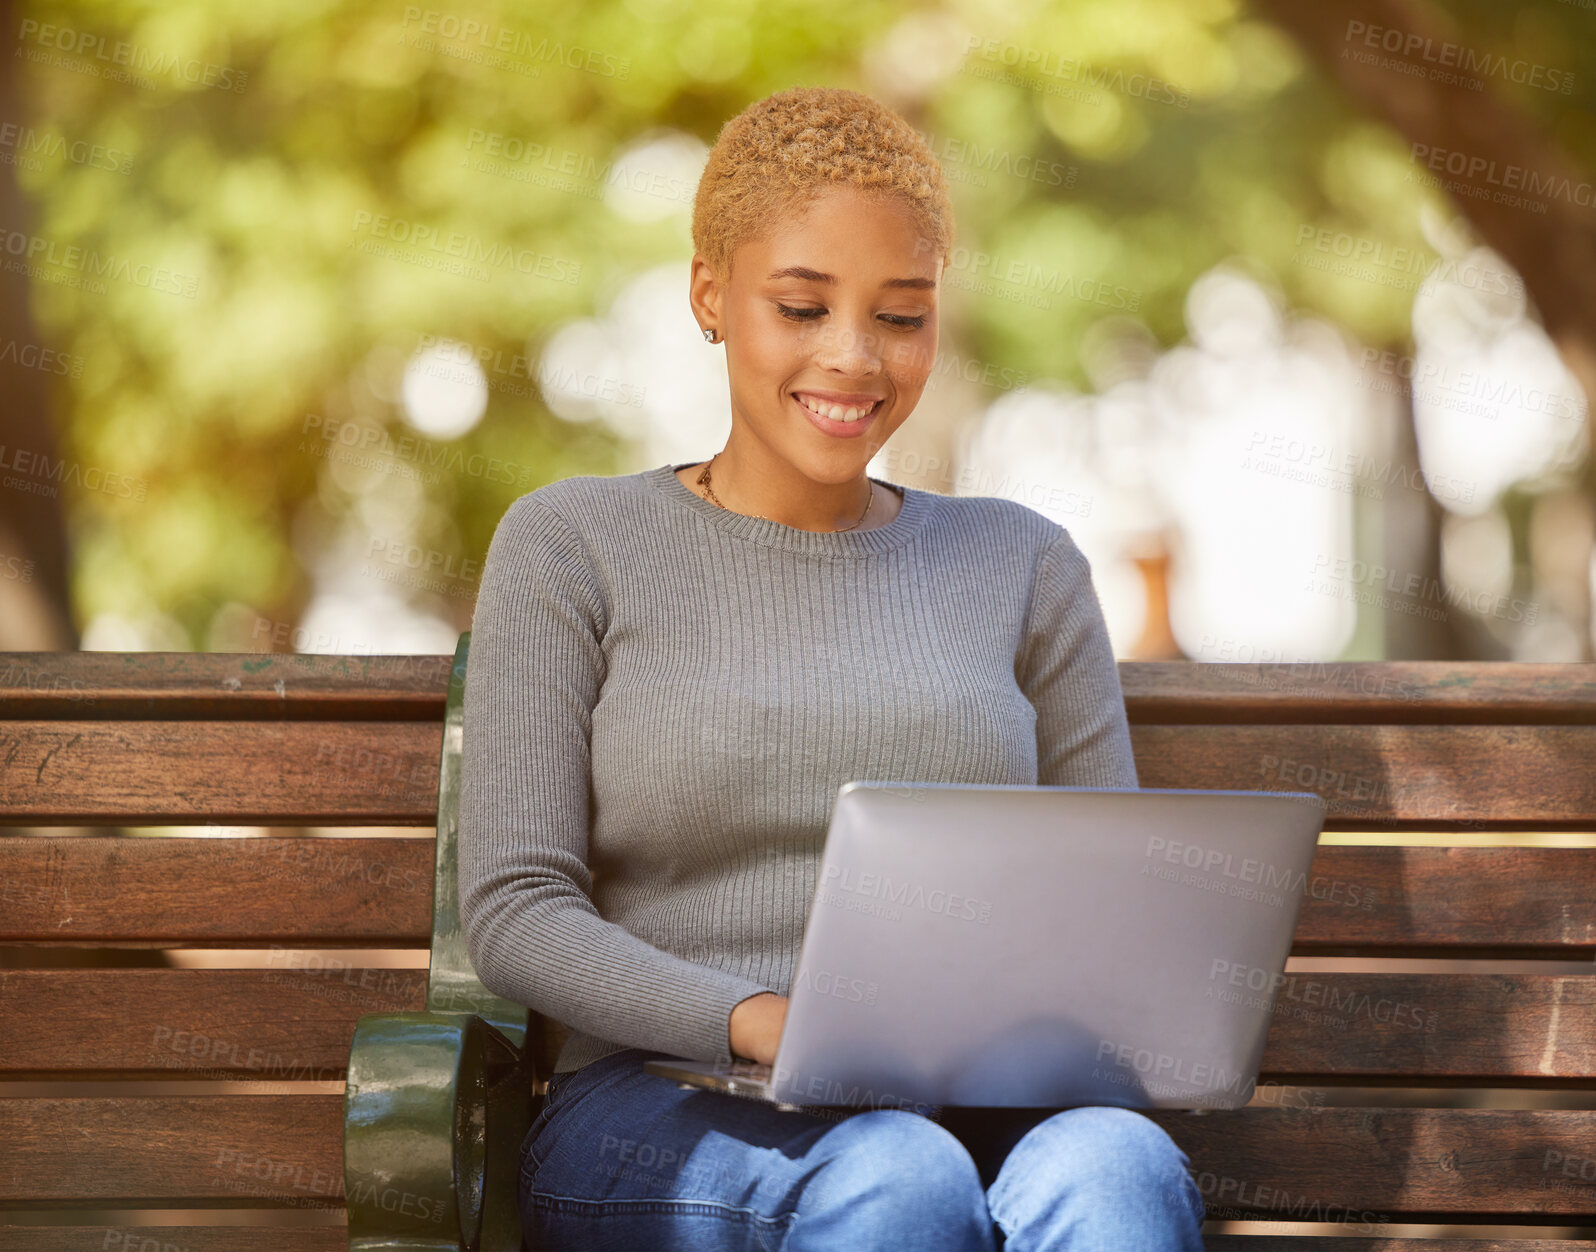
(709, 335)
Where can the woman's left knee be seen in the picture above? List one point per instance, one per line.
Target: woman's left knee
(1103, 1146)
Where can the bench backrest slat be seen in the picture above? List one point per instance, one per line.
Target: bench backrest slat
(294, 1024)
(1391, 777)
(221, 892)
(1449, 901)
(1360, 693)
(223, 686)
(185, 1239)
(288, 1023)
(278, 772)
(161, 1151)
(176, 892)
(1362, 1167)
(235, 686)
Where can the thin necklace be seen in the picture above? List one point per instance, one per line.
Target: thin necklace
(703, 481)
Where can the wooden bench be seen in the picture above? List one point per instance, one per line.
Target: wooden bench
(225, 741)
(1371, 1112)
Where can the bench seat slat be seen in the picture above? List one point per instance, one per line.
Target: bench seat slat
(222, 892)
(1397, 777)
(285, 1024)
(247, 773)
(204, 1151)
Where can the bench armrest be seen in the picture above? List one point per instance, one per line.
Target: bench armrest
(435, 1111)
(438, 1102)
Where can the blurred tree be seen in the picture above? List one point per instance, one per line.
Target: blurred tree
(305, 198)
(1554, 251)
(35, 611)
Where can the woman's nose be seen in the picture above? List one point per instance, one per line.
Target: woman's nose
(848, 350)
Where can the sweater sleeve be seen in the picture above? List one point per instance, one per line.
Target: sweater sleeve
(534, 936)
(1068, 672)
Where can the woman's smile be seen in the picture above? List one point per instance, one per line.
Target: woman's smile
(838, 415)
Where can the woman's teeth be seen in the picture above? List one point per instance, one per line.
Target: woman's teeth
(836, 412)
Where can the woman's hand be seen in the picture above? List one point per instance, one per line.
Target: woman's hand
(756, 1026)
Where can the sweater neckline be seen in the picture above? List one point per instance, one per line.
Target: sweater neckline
(761, 530)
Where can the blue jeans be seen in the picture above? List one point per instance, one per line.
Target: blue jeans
(630, 1161)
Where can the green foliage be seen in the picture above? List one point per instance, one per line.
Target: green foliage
(264, 199)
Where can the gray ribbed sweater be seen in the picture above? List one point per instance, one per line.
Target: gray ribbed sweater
(664, 696)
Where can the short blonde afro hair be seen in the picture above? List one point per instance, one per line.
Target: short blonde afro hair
(781, 152)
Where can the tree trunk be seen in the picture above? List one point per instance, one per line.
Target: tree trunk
(35, 612)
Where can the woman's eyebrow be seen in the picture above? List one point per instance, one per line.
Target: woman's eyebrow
(815, 276)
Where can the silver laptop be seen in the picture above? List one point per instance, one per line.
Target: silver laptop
(1043, 947)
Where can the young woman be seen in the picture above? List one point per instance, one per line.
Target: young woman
(671, 674)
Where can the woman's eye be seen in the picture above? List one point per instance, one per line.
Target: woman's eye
(808, 315)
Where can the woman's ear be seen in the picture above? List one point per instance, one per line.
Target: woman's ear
(704, 294)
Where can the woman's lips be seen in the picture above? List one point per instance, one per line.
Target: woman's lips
(830, 426)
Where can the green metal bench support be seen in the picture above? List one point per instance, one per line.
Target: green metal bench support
(438, 1102)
